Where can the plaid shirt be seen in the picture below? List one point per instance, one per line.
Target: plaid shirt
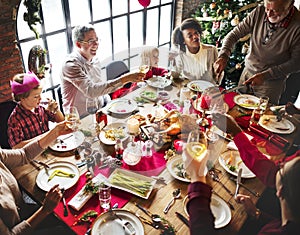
(24, 124)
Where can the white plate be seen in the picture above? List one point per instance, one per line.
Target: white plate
(136, 177)
(106, 223)
(236, 161)
(285, 126)
(111, 126)
(199, 85)
(159, 82)
(219, 209)
(69, 142)
(64, 182)
(122, 106)
(171, 166)
(243, 101)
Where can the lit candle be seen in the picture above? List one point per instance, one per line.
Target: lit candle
(133, 126)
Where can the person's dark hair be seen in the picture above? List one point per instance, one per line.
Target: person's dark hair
(79, 32)
(177, 36)
(291, 190)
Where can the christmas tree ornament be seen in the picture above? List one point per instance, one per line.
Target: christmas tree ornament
(212, 5)
(235, 21)
(245, 48)
(238, 66)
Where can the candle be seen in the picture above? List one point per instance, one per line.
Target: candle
(133, 126)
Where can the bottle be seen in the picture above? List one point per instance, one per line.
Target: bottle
(101, 119)
(119, 149)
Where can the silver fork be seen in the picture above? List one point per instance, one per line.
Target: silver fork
(126, 225)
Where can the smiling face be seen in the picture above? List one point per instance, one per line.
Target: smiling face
(33, 100)
(192, 39)
(89, 45)
(277, 10)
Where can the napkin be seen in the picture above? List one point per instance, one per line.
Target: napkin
(81, 198)
(231, 144)
(273, 138)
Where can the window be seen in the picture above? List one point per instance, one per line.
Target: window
(122, 26)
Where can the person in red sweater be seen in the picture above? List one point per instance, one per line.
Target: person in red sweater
(283, 176)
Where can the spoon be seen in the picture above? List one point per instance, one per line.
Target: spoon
(155, 218)
(176, 194)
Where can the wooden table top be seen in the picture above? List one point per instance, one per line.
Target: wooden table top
(26, 177)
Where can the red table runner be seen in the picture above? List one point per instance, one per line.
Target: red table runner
(149, 166)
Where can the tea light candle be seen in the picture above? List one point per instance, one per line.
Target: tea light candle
(133, 126)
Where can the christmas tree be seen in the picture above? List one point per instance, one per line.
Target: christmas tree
(217, 19)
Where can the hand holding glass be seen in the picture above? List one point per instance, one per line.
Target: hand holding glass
(72, 116)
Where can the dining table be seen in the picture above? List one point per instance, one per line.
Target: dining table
(152, 167)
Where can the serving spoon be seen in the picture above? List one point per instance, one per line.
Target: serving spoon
(176, 194)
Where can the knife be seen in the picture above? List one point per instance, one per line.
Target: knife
(256, 194)
(182, 218)
(238, 181)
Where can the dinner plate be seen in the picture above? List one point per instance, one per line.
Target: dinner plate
(68, 142)
(121, 179)
(232, 158)
(270, 123)
(199, 85)
(63, 182)
(149, 95)
(159, 82)
(116, 130)
(107, 223)
(246, 101)
(121, 106)
(175, 167)
(219, 208)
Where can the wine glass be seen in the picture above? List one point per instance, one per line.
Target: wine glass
(91, 108)
(144, 68)
(72, 116)
(196, 147)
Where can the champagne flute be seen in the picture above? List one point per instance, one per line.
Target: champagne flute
(144, 68)
(91, 108)
(72, 116)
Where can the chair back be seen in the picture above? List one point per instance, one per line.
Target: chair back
(116, 69)
(5, 110)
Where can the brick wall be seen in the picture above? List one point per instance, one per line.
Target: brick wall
(10, 59)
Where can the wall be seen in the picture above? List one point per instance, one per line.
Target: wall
(10, 59)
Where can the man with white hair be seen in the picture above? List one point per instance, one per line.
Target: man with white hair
(274, 47)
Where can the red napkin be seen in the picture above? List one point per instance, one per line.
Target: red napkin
(228, 98)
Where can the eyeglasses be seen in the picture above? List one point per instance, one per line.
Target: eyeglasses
(91, 41)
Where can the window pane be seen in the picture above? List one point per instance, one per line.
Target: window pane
(152, 19)
(52, 21)
(136, 32)
(79, 11)
(23, 28)
(120, 34)
(57, 53)
(166, 1)
(103, 32)
(101, 9)
(119, 7)
(154, 3)
(135, 5)
(165, 24)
